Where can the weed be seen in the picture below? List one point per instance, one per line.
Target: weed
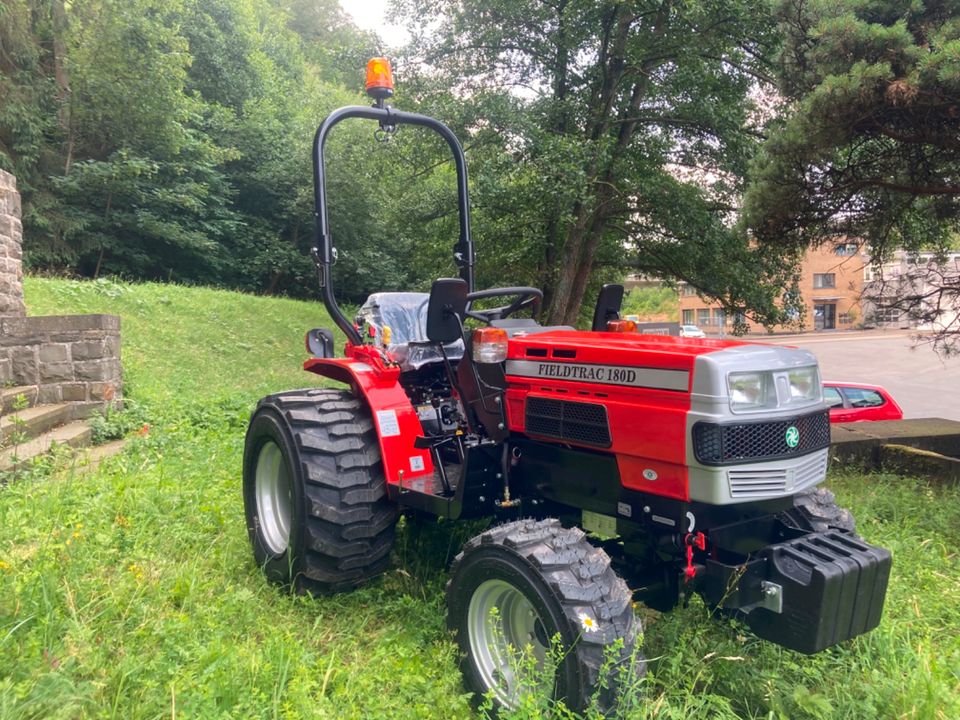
(114, 423)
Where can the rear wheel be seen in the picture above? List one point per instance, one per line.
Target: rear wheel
(314, 491)
(515, 588)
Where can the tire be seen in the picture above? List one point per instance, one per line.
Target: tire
(314, 491)
(543, 579)
(817, 510)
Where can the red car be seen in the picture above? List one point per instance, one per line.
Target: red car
(851, 402)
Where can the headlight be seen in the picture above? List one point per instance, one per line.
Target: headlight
(768, 389)
(804, 385)
(750, 391)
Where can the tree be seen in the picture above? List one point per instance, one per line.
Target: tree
(867, 146)
(170, 139)
(588, 113)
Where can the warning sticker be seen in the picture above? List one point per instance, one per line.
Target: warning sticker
(416, 463)
(387, 420)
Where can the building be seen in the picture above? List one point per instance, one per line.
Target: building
(913, 290)
(831, 285)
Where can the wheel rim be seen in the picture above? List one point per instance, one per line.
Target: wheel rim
(502, 624)
(274, 498)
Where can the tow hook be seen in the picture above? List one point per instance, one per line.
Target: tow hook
(693, 540)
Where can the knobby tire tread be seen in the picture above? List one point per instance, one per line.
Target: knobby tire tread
(349, 520)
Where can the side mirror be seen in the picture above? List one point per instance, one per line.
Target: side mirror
(608, 306)
(319, 343)
(448, 303)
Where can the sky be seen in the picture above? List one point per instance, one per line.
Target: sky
(372, 15)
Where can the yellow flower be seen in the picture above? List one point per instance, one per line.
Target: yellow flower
(4, 565)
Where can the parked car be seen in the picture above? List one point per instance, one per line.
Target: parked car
(691, 331)
(852, 402)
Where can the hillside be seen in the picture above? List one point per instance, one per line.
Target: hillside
(130, 592)
(192, 343)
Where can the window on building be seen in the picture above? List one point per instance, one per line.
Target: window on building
(703, 317)
(887, 316)
(824, 280)
(688, 317)
(719, 317)
(846, 249)
(688, 290)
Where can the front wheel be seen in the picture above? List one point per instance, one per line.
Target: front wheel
(817, 510)
(535, 608)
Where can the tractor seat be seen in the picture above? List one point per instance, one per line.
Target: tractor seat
(405, 313)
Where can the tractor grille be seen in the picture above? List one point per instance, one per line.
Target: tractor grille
(579, 422)
(715, 444)
(767, 482)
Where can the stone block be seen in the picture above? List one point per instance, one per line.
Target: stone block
(56, 372)
(69, 325)
(112, 346)
(106, 391)
(74, 392)
(25, 366)
(6, 371)
(19, 341)
(9, 305)
(94, 370)
(55, 353)
(88, 350)
(83, 410)
(49, 394)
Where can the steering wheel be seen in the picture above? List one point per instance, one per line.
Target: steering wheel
(525, 297)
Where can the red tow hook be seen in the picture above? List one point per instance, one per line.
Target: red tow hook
(693, 540)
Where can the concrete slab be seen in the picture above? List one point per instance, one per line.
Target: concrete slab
(32, 422)
(74, 434)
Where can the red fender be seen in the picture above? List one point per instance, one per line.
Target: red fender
(378, 384)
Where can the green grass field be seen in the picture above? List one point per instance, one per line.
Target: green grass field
(131, 592)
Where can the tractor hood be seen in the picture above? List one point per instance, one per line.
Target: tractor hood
(626, 359)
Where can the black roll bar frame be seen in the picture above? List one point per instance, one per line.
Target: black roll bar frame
(323, 252)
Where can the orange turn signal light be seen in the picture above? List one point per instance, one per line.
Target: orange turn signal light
(379, 78)
(489, 345)
(621, 326)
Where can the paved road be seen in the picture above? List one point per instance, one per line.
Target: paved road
(924, 384)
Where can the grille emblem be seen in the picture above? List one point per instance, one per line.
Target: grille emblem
(792, 436)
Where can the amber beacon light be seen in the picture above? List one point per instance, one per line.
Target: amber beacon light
(379, 78)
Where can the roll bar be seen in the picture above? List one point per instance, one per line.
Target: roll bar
(323, 252)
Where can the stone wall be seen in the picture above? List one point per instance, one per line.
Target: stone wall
(11, 234)
(72, 359)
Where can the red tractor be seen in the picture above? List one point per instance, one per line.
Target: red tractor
(614, 466)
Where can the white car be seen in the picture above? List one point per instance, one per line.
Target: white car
(691, 331)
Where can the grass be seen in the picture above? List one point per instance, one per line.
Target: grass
(131, 593)
(652, 304)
